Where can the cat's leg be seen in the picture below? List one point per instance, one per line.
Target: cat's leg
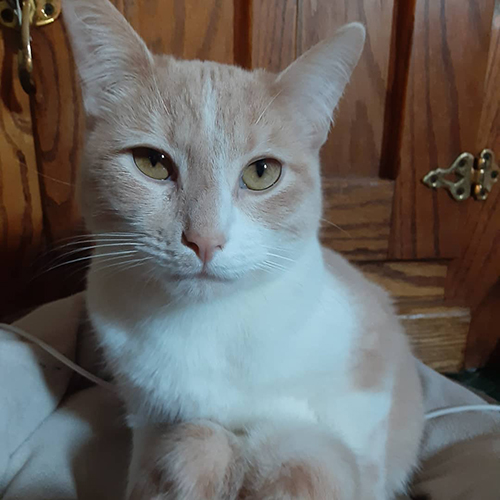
(303, 462)
(190, 461)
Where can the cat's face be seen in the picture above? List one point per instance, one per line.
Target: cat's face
(212, 170)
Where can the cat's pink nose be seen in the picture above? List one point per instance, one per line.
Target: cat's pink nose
(203, 246)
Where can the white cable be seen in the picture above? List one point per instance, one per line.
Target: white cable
(56, 354)
(84, 373)
(460, 409)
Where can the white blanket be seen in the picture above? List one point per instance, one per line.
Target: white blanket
(57, 442)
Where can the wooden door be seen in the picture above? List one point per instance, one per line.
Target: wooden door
(416, 100)
(452, 106)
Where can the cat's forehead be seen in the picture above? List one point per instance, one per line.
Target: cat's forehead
(214, 109)
(193, 86)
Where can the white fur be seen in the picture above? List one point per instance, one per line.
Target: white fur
(274, 354)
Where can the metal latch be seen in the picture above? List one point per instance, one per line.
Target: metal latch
(21, 15)
(467, 176)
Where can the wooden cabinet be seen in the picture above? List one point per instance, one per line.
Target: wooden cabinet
(427, 89)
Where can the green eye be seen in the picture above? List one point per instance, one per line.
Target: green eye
(262, 174)
(153, 163)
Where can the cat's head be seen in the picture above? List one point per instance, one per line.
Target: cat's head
(210, 170)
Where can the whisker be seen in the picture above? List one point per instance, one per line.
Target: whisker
(280, 257)
(54, 179)
(336, 226)
(125, 265)
(89, 257)
(278, 248)
(98, 235)
(152, 275)
(267, 107)
(96, 240)
(274, 265)
(99, 245)
(62, 251)
(266, 268)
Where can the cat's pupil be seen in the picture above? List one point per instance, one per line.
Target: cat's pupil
(260, 167)
(154, 158)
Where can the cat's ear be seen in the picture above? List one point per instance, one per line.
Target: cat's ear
(314, 83)
(108, 53)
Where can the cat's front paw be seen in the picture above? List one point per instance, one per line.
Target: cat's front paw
(191, 461)
(291, 481)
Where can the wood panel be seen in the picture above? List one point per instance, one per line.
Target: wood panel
(474, 277)
(401, 41)
(185, 28)
(357, 215)
(58, 127)
(274, 33)
(478, 268)
(442, 113)
(354, 147)
(20, 206)
(409, 281)
(438, 334)
(242, 33)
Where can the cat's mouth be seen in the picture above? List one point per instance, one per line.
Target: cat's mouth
(206, 276)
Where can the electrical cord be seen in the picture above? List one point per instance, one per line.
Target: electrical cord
(57, 355)
(96, 380)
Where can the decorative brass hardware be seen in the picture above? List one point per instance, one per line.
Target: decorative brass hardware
(41, 12)
(469, 176)
(21, 15)
(24, 57)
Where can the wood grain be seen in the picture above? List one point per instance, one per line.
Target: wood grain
(478, 268)
(242, 33)
(354, 147)
(184, 28)
(474, 277)
(397, 84)
(438, 334)
(274, 34)
(20, 206)
(443, 107)
(409, 281)
(357, 215)
(58, 127)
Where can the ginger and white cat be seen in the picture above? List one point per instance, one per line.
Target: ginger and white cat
(253, 363)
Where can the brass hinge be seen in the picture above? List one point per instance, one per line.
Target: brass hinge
(20, 15)
(467, 176)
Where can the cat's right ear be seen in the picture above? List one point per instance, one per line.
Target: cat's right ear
(108, 53)
(314, 83)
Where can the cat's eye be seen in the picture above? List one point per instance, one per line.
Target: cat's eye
(153, 163)
(262, 174)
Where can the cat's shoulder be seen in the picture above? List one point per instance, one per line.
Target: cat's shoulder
(347, 275)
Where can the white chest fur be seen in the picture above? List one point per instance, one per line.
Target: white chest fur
(262, 353)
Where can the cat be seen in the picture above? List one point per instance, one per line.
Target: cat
(252, 363)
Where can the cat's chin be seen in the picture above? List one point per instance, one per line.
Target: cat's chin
(205, 276)
(200, 287)
(208, 285)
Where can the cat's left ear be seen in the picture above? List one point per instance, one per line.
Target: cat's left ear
(314, 83)
(109, 55)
